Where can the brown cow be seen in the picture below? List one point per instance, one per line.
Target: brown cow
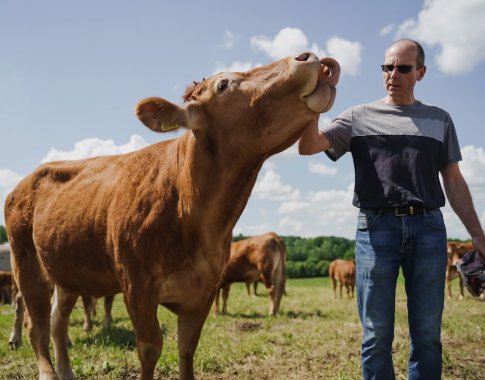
(5, 287)
(253, 259)
(344, 272)
(156, 224)
(89, 304)
(456, 250)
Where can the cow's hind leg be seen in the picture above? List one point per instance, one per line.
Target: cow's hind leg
(63, 303)
(189, 328)
(35, 290)
(15, 339)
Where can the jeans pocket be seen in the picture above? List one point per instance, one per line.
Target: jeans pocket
(366, 220)
(435, 220)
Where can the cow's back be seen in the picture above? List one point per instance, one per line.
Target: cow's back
(79, 211)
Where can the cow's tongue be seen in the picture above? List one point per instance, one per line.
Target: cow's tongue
(322, 98)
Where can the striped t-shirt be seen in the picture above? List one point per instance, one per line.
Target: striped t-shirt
(398, 152)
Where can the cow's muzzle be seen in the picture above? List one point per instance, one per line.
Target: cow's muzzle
(323, 96)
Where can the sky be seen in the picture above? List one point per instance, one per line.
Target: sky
(72, 72)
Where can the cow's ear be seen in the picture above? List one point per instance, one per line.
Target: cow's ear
(160, 115)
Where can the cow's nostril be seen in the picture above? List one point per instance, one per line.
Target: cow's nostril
(303, 57)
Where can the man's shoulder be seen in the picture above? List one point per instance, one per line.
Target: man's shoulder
(431, 109)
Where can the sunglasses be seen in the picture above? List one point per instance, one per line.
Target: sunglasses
(402, 69)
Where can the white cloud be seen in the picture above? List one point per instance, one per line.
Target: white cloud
(236, 66)
(387, 30)
(289, 224)
(229, 39)
(293, 206)
(93, 147)
(292, 41)
(288, 41)
(347, 53)
(8, 180)
(472, 167)
(321, 169)
(456, 27)
(269, 186)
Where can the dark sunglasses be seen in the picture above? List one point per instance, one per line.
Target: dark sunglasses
(402, 69)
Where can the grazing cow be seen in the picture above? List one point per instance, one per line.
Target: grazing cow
(253, 259)
(156, 224)
(255, 287)
(5, 287)
(344, 272)
(456, 250)
(89, 304)
(5, 257)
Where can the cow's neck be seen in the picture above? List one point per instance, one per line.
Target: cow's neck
(217, 185)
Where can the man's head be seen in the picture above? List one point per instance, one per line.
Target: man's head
(403, 66)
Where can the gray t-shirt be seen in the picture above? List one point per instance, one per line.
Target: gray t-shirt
(398, 152)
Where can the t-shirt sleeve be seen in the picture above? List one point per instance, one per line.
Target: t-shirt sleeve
(451, 147)
(339, 132)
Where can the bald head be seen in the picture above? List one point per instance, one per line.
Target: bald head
(411, 44)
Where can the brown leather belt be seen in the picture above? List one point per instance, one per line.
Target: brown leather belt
(404, 210)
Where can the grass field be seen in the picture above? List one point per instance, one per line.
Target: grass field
(314, 337)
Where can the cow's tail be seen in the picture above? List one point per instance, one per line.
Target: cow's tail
(279, 271)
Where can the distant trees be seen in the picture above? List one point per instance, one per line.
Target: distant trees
(311, 257)
(3, 234)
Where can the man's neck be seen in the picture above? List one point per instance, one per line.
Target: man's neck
(392, 101)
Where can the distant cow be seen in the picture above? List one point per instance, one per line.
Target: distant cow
(257, 258)
(5, 287)
(342, 271)
(456, 250)
(156, 224)
(89, 304)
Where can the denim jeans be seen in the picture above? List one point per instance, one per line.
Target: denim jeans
(417, 244)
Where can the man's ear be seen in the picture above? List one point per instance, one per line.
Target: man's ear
(160, 115)
(422, 71)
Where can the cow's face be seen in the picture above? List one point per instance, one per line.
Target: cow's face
(263, 110)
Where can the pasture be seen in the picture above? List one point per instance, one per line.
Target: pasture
(314, 337)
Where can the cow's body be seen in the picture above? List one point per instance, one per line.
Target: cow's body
(456, 250)
(259, 258)
(342, 271)
(156, 224)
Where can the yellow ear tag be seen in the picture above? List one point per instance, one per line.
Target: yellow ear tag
(168, 127)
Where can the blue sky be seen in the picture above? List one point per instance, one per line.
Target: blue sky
(72, 72)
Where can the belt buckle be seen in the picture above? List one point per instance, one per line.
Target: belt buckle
(410, 211)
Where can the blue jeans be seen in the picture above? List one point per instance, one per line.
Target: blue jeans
(417, 244)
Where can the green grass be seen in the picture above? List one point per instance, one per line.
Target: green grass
(314, 337)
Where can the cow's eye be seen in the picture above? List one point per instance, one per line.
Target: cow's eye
(222, 85)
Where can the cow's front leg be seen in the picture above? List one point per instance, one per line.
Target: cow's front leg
(189, 328)
(142, 308)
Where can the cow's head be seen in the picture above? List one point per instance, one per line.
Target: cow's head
(261, 111)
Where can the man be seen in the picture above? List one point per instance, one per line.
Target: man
(399, 146)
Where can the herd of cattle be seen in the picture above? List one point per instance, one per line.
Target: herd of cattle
(253, 260)
(156, 224)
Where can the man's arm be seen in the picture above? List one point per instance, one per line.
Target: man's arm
(461, 201)
(312, 140)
